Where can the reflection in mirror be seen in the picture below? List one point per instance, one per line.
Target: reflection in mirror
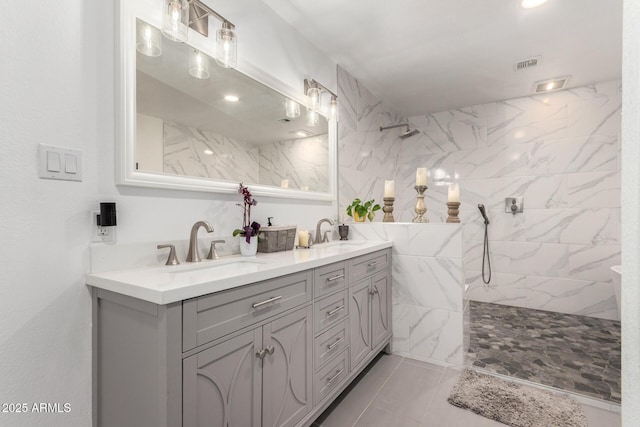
(199, 120)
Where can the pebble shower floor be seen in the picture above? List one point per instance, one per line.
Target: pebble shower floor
(575, 353)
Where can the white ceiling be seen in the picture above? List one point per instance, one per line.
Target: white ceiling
(424, 56)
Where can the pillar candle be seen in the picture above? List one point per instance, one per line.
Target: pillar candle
(421, 176)
(454, 193)
(388, 188)
(303, 238)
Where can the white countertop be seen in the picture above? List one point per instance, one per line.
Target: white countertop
(166, 284)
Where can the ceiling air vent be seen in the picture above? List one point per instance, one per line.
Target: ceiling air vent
(526, 63)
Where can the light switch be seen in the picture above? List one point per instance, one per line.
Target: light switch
(70, 163)
(59, 163)
(53, 161)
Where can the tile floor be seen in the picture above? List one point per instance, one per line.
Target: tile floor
(400, 392)
(575, 353)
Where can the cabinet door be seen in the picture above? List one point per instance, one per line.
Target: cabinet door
(380, 308)
(287, 371)
(222, 385)
(359, 319)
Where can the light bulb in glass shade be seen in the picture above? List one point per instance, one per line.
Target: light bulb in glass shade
(333, 109)
(176, 20)
(226, 46)
(148, 40)
(199, 65)
(325, 102)
(313, 118)
(291, 108)
(314, 97)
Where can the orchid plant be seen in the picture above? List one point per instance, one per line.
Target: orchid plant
(249, 228)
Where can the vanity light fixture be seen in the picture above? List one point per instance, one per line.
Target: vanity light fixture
(199, 64)
(175, 24)
(550, 85)
(530, 4)
(291, 109)
(231, 98)
(148, 40)
(313, 118)
(317, 93)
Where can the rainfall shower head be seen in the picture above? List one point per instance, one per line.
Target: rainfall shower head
(406, 134)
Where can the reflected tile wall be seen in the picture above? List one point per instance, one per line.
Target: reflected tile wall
(302, 162)
(561, 152)
(427, 285)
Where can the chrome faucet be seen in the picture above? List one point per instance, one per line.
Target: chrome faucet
(193, 255)
(324, 238)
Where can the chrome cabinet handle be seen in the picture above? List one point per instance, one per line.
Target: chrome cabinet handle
(333, 378)
(337, 342)
(270, 349)
(261, 353)
(334, 278)
(267, 301)
(335, 310)
(371, 264)
(373, 292)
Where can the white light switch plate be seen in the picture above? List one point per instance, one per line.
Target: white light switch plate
(66, 164)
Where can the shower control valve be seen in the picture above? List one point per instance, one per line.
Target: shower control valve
(514, 205)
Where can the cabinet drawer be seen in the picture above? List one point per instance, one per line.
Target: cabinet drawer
(330, 310)
(366, 265)
(330, 278)
(212, 316)
(330, 343)
(330, 377)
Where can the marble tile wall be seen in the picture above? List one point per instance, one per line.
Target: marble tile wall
(561, 152)
(366, 156)
(428, 286)
(302, 162)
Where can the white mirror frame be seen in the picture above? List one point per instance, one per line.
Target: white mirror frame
(127, 11)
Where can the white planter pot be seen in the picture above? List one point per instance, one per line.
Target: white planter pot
(249, 249)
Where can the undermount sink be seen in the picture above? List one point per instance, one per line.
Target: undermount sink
(341, 243)
(218, 265)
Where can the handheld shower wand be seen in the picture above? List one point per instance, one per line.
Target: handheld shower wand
(486, 260)
(484, 214)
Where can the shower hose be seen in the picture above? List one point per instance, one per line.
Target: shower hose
(486, 260)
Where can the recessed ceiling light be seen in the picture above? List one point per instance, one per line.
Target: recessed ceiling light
(530, 4)
(231, 98)
(551, 84)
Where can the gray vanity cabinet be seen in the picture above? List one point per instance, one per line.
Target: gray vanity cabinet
(369, 304)
(259, 378)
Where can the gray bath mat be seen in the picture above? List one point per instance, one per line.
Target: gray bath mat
(514, 404)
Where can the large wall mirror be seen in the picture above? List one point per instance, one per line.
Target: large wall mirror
(182, 131)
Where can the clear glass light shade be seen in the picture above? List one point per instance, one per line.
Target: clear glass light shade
(148, 40)
(313, 118)
(176, 20)
(199, 65)
(292, 109)
(226, 46)
(333, 109)
(325, 102)
(314, 97)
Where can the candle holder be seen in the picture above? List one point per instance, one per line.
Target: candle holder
(388, 209)
(421, 208)
(453, 212)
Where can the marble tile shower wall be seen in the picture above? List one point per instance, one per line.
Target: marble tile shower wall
(561, 152)
(303, 162)
(366, 156)
(427, 285)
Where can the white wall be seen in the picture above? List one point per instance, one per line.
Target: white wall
(631, 214)
(57, 87)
